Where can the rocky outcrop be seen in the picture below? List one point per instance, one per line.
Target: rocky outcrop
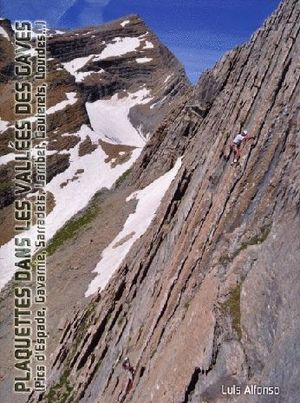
(208, 296)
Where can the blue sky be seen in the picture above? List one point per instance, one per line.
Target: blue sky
(197, 31)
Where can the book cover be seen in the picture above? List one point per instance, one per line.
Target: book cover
(149, 201)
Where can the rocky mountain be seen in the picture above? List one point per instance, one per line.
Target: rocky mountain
(196, 261)
(123, 59)
(109, 88)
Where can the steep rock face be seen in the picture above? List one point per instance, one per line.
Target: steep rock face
(208, 296)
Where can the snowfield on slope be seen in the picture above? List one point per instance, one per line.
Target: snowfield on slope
(109, 118)
(75, 65)
(136, 225)
(118, 47)
(95, 173)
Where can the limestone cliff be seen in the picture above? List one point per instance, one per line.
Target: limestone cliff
(209, 295)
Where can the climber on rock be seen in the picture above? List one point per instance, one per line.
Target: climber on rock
(129, 368)
(238, 140)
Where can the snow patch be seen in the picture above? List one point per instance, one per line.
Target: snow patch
(76, 64)
(4, 33)
(124, 23)
(3, 125)
(5, 159)
(82, 75)
(71, 100)
(119, 47)
(109, 118)
(148, 45)
(136, 225)
(143, 59)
